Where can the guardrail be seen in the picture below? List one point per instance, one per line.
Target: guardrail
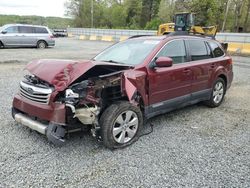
(109, 32)
(238, 42)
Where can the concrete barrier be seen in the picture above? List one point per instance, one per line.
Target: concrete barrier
(107, 38)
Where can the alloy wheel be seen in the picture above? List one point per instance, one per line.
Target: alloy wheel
(125, 127)
(218, 92)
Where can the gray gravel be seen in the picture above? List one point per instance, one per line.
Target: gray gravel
(192, 147)
(66, 48)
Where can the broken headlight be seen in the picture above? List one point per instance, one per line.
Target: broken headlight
(69, 93)
(76, 91)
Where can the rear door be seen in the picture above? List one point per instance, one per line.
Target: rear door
(28, 36)
(203, 66)
(170, 87)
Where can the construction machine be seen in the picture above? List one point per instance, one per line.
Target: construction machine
(185, 23)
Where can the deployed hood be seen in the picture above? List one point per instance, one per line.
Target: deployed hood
(61, 73)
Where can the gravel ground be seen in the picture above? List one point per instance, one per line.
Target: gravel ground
(192, 147)
(66, 48)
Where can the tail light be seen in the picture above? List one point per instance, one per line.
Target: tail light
(230, 61)
(51, 36)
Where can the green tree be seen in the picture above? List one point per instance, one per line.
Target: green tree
(206, 12)
(150, 9)
(133, 11)
(166, 10)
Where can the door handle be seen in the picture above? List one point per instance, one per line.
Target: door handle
(186, 71)
(212, 65)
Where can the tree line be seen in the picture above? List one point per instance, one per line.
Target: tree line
(51, 22)
(228, 15)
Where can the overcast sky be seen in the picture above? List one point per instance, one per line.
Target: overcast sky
(33, 7)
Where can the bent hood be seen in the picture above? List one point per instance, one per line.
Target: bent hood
(61, 73)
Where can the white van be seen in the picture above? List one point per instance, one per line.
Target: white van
(20, 35)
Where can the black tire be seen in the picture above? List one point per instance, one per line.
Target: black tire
(212, 102)
(41, 44)
(1, 45)
(108, 123)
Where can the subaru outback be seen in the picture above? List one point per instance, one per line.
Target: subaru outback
(114, 93)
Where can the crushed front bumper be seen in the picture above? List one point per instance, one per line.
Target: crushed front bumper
(54, 113)
(28, 122)
(55, 133)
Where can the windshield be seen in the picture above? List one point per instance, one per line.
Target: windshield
(131, 52)
(180, 20)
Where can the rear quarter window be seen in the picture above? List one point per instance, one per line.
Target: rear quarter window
(198, 50)
(41, 30)
(216, 50)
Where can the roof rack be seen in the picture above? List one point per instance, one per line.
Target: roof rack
(137, 36)
(186, 33)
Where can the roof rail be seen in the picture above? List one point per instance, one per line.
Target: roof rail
(137, 36)
(186, 33)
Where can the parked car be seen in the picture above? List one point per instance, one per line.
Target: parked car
(20, 35)
(126, 84)
(60, 33)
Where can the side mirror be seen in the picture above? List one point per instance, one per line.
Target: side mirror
(4, 32)
(163, 62)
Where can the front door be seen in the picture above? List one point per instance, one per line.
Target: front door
(170, 87)
(11, 36)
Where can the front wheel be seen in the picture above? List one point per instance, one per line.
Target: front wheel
(218, 93)
(120, 124)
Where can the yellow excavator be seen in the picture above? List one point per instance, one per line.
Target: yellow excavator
(185, 23)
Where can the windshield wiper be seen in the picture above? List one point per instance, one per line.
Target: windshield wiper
(112, 61)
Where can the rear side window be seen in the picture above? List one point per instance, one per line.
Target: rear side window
(12, 29)
(216, 50)
(198, 50)
(26, 29)
(40, 30)
(175, 50)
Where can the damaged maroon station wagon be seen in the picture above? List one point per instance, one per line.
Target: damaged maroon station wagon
(122, 87)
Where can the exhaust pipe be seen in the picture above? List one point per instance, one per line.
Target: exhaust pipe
(28, 122)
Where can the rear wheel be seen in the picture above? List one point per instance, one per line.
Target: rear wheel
(218, 93)
(1, 45)
(41, 44)
(120, 124)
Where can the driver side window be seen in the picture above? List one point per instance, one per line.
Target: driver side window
(12, 29)
(175, 50)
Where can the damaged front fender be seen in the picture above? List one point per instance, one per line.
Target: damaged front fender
(134, 83)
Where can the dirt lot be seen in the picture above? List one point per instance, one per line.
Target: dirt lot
(192, 147)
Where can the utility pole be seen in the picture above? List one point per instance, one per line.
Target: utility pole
(92, 13)
(225, 16)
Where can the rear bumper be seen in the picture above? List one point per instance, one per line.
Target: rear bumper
(51, 43)
(54, 113)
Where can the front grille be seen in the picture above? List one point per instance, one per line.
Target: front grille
(36, 94)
